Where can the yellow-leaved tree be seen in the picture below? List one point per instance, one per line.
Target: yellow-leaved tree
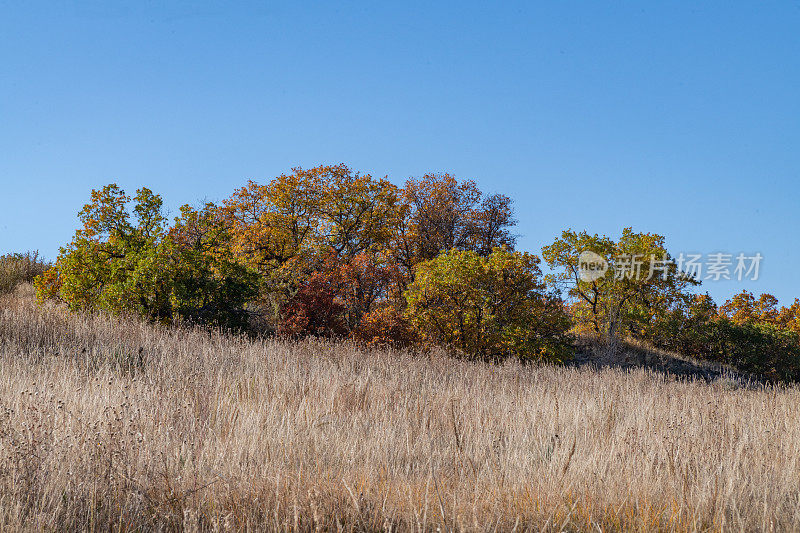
(488, 307)
(641, 284)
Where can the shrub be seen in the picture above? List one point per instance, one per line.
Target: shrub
(699, 329)
(134, 263)
(385, 326)
(488, 307)
(338, 296)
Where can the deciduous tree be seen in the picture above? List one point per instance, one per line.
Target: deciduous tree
(444, 214)
(640, 285)
(487, 307)
(129, 260)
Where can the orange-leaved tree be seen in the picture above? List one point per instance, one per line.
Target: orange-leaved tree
(337, 297)
(444, 214)
(744, 308)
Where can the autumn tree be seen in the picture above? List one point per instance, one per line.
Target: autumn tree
(789, 316)
(208, 284)
(745, 308)
(444, 214)
(337, 297)
(288, 228)
(324, 208)
(641, 284)
(273, 224)
(358, 213)
(487, 307)
(129, 260)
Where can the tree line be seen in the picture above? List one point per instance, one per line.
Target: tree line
(331, 252)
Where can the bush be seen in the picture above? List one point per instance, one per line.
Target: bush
(385, 326)
(130, 261)
(698, 329)
(20, 268)
(344, 298)
(488, 307)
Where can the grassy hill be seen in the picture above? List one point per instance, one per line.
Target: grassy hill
(113, 423)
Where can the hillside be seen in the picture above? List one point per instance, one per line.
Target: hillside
(111, 423)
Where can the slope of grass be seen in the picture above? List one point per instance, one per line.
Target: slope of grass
(112, 423)
(16, 269)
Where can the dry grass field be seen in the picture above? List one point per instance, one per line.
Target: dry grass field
(114, 424)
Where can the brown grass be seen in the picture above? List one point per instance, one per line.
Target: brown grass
(20, 268)
(114, 424)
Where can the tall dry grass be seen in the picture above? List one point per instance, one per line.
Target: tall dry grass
(114, 424)
(16, 268)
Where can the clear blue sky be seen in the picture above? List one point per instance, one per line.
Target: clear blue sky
(681, 118)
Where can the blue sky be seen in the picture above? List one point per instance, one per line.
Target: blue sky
(681, 118)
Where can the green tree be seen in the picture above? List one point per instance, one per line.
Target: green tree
(113, 262)
(208, 284)
(129, 260)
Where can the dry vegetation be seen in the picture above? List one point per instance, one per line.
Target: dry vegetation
(108, 424)
(20, 268)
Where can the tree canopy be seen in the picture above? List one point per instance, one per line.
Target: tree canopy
(332, 252)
